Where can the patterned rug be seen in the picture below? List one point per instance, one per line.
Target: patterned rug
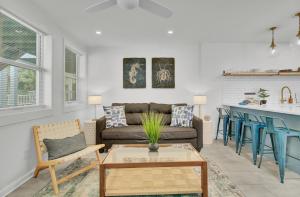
(87, 184)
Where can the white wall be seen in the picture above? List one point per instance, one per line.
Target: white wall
(106, 73)
(198, 71)
(16, 141)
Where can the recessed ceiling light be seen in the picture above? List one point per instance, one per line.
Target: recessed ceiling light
(98, 32)
(170, 32)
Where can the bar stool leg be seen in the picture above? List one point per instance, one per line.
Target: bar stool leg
(272, 136)
(241, 138)
(225, 125)
(281, 144)
(237, 134)
(228, 133)
(218, 127)
(262, 146)
(255, 135)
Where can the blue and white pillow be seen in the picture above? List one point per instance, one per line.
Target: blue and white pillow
(182, 116)
(115, 116)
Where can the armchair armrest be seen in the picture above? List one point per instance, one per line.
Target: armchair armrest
(198, 125)
(100, 126)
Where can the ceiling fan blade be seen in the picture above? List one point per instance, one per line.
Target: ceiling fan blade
(101, 6)
(155, 8)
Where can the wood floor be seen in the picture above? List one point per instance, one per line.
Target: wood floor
(253, 182)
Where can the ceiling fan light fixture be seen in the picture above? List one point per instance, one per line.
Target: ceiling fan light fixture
(98, 32)
(170, 32)
(128, 4)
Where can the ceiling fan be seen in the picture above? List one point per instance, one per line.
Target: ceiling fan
(147, 5)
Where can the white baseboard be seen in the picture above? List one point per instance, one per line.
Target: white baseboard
(15, 184)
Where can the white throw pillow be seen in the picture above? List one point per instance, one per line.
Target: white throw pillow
(182, 116)
(115, 116)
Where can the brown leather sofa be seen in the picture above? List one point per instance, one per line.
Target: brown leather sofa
(134, 133)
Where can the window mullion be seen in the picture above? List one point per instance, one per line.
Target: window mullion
(19, 64)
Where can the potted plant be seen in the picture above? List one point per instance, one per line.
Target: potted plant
(153, 124)
(263, 94)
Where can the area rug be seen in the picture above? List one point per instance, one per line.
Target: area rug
(87, 184)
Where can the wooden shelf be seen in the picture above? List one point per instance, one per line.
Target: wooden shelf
(261, 74)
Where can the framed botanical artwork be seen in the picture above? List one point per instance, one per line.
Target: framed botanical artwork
(163, 72)
(134, 73)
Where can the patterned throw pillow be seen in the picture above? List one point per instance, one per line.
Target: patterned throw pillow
(115, 116)
(182, 116)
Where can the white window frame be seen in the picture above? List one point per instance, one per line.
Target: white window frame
(42, 108)
(78, 55)
(38, 67)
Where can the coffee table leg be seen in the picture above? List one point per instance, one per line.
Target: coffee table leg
(102, 180)
(204, 179)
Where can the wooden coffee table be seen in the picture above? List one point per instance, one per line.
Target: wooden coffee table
(132, 170)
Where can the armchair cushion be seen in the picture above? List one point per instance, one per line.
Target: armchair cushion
(61, 147)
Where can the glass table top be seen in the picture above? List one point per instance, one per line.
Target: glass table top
(139, 153)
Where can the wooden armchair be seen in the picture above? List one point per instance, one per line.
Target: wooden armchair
(59, 131)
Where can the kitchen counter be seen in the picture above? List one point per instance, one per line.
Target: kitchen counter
(290, 109)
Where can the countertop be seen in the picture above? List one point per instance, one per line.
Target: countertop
(291, 109)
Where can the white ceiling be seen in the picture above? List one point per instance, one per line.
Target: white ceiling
(192, 21)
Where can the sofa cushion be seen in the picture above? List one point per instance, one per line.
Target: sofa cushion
(165, 109)
(134, 107)
(134, 118)
(136, 132)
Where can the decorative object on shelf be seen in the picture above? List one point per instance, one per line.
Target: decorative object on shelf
(200, 100)
(163, 73)
(95, 100)
(298, 34)
(263, 94)
(134, 73)
(273, 45)
(153, 123)
(89, 129)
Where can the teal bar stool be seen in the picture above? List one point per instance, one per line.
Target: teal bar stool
(236, 119)
(255, 126)
(263, 148)
(281, 135)
(222, 116)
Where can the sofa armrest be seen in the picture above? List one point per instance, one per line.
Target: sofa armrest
(198, 125)
(100, 126)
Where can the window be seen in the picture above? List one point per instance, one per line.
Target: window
(71, 75)
(20, 63)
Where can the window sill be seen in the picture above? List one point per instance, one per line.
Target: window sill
(12, 116)
(74, 106)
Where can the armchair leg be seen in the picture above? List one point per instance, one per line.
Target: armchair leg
(53, 178)
(36, 172)
(98, 157)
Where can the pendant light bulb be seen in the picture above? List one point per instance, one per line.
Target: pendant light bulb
(273, 51)
(298, 34)
(298, 41)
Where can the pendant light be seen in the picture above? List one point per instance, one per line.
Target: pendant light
(273, 45)
(298, 35)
